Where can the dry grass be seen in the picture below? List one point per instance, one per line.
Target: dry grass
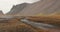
(45, 19)
(14, 25)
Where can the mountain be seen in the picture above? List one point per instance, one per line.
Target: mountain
(1, 13)
(17, 8)
(43, 7)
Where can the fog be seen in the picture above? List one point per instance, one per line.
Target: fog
(6, 5)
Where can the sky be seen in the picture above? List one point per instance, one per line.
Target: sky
(6, 5)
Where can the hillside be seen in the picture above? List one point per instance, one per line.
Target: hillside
(1, 13)
(17, 8)
(46, 7)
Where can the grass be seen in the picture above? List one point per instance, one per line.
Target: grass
(15, 25)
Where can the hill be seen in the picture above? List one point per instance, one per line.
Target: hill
(17, 8)
(43, 7)
(1, 13)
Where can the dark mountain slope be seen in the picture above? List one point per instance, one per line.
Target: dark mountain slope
(16, 9)
(45, 7)
(1, 13)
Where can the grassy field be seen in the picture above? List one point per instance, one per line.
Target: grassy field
(15, 25)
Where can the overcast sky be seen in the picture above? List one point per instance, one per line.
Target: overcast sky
(6, 5)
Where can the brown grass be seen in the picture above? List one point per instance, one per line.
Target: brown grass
(44, 19)
(14, 25)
